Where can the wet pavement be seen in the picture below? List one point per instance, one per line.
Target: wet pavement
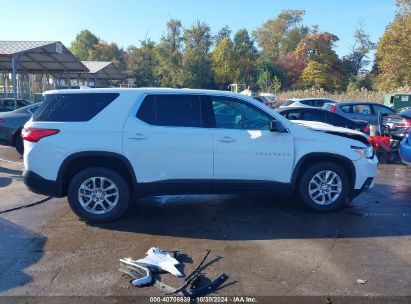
(267, 246)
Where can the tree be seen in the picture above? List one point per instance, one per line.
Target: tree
(245, 55)
(169, 56)
(196, 58)
(268, 83)
(104, 51)
(291, 65)
(225, 32)
(319, 47)
(223, 63)
(282, 34)
(316, 75)
(393, 54)
(84, 44)
(141, 63)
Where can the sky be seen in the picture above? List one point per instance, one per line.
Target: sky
(127, 22)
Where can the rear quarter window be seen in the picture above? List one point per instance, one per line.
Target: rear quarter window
(288, 102)
(73, 107)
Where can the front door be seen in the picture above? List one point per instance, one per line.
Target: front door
(244, 147)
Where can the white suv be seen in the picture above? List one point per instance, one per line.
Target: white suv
(105, 147)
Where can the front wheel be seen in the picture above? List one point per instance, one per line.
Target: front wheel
(98, 195)
(324, 187)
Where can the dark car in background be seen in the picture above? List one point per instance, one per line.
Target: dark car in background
(11, 124)
(7, 104)
(398, 123)
(323, 116)
(358, 110)
(305, 102)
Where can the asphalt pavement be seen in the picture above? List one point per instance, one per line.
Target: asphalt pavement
(267, 246)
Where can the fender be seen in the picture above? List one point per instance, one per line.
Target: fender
(64, 166)
(321, 156)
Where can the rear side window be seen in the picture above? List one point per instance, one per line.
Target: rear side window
(73, 107)
(293, 115)
(307, 102)
(337, 120)
(314, 116)
(346, 109)
(318, 103)
(171, 110)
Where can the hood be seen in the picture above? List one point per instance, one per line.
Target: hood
(339, 131)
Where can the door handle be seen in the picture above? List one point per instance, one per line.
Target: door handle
(226, 139)
(138, 136)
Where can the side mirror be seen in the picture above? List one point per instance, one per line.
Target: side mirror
(276, 126)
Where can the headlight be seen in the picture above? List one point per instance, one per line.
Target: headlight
(367, 152)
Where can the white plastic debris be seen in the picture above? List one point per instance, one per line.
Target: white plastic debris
(361, 281)
(141, 274)
(162, 260)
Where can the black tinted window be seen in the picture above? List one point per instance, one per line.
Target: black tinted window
(171, 110)
(147, 110)
(73, 107)
(292, 115)
(307, 102)
(314, 116)
(337, 120)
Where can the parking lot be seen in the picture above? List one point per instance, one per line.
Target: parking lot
(267, 246)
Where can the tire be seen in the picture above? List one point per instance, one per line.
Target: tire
(112, 201)
(327, 201)
(18, 143)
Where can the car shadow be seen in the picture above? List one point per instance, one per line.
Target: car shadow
(14, 172)
(20, 249)
(263, 217)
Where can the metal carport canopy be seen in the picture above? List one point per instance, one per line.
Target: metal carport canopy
(103, 70)
(35, 57)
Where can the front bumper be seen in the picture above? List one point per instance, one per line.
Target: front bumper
(405, 151)
(40, 185)
(366, 171)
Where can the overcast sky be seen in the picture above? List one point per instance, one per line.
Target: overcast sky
(126, 22)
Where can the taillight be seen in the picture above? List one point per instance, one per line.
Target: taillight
(405, 124)
(1, 120)
(334, 109)
(267, 104)
(366, 129)
(34, 135)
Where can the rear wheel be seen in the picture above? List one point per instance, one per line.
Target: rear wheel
(18, 143)
(98, 195)
(324, 187)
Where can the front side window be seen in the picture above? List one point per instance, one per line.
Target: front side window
(231, 113)
(173, 110)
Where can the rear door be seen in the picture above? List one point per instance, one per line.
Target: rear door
(244, 148)
(166, 142)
